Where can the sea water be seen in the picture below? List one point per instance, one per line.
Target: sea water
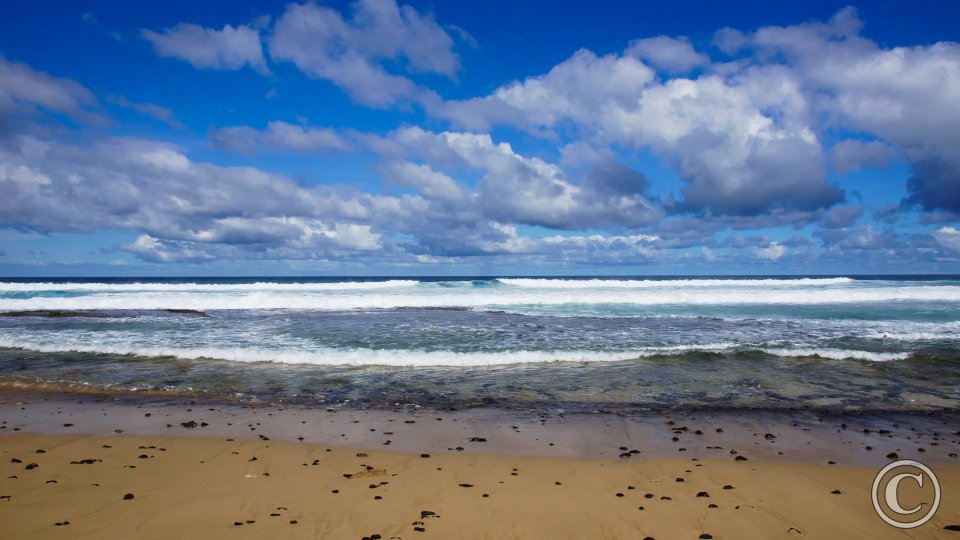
(849, 343)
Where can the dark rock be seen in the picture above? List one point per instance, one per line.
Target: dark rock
(705, 536)
(51, 313)
(836, 492)
(728, 486)
(190, 424)
(477, 439)
(955, 528)
(892, 455)
(128, 496)
(466, 485)
(194, 312)
(740, 458)
(31, 466)
(703, 494)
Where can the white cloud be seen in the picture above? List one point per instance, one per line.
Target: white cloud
(208, 48)
(672, 55)
(428, 182)
(948, 238)
(529, 190)
(905, 96)
(770, 252)
(352, 53)
(277, 137)
(743, 143)
(25, 91)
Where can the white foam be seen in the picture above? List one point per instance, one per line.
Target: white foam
(503, 298)
(405, 357)
(549, 283)
(840, 354)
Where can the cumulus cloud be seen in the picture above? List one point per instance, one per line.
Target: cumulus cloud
(209, 48)
(744, 135)
(278, 136)
(351, 53)
(528, 190)
(742, 143)
(948, 238)
(673, 55)
(769, 252)
(25, 91)
(904, 96)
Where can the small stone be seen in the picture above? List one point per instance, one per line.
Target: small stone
(128, 496)
(836, 492)
(293, 522)
(740, 458)
(705, 536)
(728, 486)
(892, 455)
(703, 494)
(466, 485)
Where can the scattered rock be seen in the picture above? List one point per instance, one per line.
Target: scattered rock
(128, 496)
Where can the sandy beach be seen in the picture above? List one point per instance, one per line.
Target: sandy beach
(76, 466)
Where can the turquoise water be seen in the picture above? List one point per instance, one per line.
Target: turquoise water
(837, 342)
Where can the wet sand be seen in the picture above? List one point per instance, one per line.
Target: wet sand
(152, 468)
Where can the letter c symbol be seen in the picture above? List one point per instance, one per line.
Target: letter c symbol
(891, 493)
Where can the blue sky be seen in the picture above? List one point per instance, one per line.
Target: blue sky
(374, 137)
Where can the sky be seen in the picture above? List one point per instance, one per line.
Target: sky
(377, 137)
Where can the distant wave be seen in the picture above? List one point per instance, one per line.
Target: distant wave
(205, 287)
(419, 358)
(549, 283)
(487, 298)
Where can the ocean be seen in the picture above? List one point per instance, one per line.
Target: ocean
(841, 343)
